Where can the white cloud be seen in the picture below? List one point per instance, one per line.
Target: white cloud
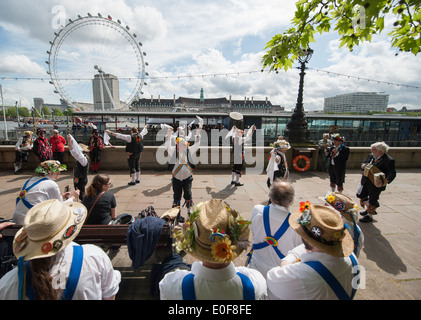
(20, 64)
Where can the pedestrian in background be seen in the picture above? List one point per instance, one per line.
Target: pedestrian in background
(57, 143)
(324, 145)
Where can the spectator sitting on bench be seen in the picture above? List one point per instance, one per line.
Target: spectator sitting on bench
(216, 235)
(40, 188)
(100, 203)
(58, 267)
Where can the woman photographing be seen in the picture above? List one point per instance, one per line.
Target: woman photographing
(100, 203)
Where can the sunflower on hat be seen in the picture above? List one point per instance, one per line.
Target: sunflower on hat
(182, 140)
(213, 232)
(344, 204)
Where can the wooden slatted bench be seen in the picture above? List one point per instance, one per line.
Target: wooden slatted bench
(103, 234)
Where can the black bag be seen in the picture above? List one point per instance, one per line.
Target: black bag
(148, 212)
(7, 258)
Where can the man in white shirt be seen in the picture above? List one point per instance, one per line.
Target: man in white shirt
(216, 235)
(239, 139)
(272, 236)
(40, 188)
(80, 171)
(182, 166)
(326, 269)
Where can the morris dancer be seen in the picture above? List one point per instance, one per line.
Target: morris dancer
(134, 147)
(80, 171)
(182, 167)
(42, 148)
(238, 142)
(277, 166)
(96, 144)
(368, 192)
(40, 188)
(22, 147)
(338, 157)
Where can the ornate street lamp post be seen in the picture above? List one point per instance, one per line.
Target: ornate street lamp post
(297, 127)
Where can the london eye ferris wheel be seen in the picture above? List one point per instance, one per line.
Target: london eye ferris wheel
(91, 51)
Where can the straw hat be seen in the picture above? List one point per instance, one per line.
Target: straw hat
(50, 166)
(344, 204)
(236, 116)
(323, 228)
(214, 233)
(84, 147)
(48, 228)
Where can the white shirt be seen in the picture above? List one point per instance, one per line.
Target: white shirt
(26, 147)
(212, 284)
(299, 281)
(77, 153)
(97, 280)
(266, 258)
(128, 137)
(45, 190)
(184, 171)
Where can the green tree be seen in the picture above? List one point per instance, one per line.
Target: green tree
(46, 111)
(10, 112)
(355, 21)
(57, 112)
(24, 112)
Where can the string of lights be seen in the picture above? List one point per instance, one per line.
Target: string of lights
(365, 79)
(222, 74)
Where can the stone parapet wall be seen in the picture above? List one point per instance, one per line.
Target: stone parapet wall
(214, 158)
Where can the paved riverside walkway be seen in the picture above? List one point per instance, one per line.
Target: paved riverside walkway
(391, 254)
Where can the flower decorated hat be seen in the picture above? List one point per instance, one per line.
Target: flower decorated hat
(338, 137)
(213, 233)
(48, 228)
(50, 166)
(323, 228)
(281, 145)
(344, 204)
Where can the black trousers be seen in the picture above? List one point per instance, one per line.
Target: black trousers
(134, 162)
(95, 155)
(238, 168)
(371, 193)
(58, 156)
(80, 184)
(180, 186)
(21, 156)
(336, 176)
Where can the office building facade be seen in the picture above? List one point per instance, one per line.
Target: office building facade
(357, 102)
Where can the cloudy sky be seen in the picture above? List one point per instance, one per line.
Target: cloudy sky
(215, 45)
